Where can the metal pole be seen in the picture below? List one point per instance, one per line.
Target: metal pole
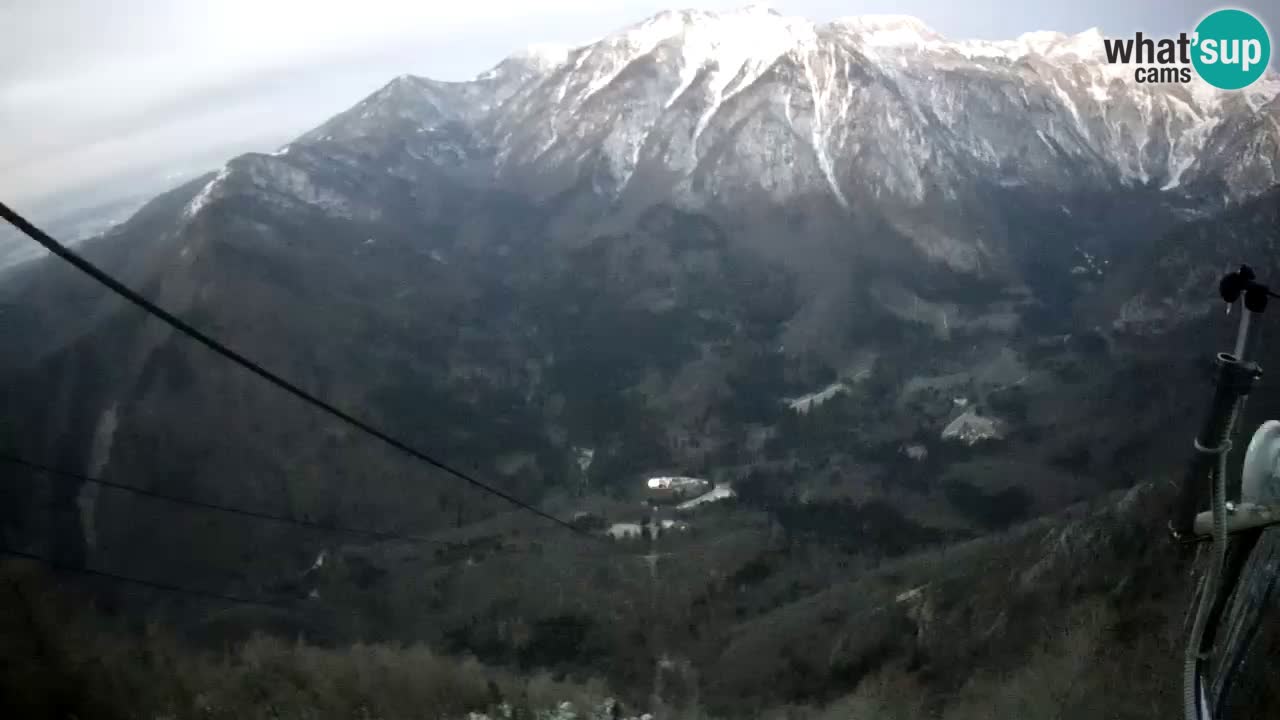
(1235, 379)
(1243, 334)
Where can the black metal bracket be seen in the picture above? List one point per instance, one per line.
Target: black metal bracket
(1244, 282)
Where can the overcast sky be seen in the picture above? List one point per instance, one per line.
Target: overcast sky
(97, 96)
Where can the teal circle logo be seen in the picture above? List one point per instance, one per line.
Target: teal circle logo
(1232, 49)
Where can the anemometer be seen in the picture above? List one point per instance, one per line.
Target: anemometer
(1245, 553)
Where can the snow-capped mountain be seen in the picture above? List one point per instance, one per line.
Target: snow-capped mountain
(710, 107)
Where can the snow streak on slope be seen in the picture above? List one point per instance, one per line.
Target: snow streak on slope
(820, 89)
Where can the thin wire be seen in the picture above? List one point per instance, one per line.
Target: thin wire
(165, 587)
(181, 326)
(55, 472)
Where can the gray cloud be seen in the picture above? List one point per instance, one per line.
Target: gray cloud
(91, 92)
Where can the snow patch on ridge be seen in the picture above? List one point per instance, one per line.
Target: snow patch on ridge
(206, 193)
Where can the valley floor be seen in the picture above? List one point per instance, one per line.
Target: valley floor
(1077, 615)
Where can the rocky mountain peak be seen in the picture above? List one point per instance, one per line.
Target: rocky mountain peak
(902, 31)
